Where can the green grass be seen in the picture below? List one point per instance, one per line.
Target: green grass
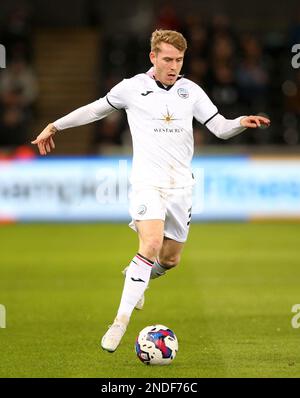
(229, 301)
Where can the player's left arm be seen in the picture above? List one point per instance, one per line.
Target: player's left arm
(206, 112)
(227, 128)
(254, 121)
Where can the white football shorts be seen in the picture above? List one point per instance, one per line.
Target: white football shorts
(173, 205)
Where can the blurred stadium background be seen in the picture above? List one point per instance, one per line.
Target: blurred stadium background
(58, 61)
(62, 55)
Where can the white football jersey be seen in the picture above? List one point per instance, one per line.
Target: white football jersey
(160, 121)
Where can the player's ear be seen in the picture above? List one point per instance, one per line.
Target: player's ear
(152, 57)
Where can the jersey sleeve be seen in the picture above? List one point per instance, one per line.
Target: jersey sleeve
(84, 115)
(204, 109)
(117, 97)
(225, 128)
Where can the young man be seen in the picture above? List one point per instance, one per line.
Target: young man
(160, 107)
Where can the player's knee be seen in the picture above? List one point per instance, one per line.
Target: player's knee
(169, 261)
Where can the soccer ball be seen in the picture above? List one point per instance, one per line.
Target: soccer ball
(156, 345)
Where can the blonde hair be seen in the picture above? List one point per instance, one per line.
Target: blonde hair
(172, 37)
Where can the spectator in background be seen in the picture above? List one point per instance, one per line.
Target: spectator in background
(253, 82)
(223, 52)
(291, 118)
(221, 27)
(224, 89)
(18, 78)
(198, 69)
(18, 84)
(167, 18)
(197, 55)
(11, 127)
(252, 74)
(108, 133)
(16, 34)
(18, 93)
(294, 32)
(293, 95)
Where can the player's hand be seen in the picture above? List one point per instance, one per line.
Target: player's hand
(45, 141)
(255, 121)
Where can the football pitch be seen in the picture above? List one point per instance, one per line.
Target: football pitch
(229, 301)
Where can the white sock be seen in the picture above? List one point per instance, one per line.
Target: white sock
(157, 270)
(136, 282)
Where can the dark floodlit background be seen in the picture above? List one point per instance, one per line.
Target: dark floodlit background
(61, 55)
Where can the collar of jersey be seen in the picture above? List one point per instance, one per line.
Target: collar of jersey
(160, 85)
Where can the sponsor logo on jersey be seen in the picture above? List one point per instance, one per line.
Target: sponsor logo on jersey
(183, 93)
(168, 130)
(167, 117)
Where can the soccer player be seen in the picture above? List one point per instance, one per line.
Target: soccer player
(160, 107)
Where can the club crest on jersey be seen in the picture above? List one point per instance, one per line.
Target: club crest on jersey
(142, 210)
(183, 93)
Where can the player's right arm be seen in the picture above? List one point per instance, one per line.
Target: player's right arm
(44, 140)
(96, 110)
